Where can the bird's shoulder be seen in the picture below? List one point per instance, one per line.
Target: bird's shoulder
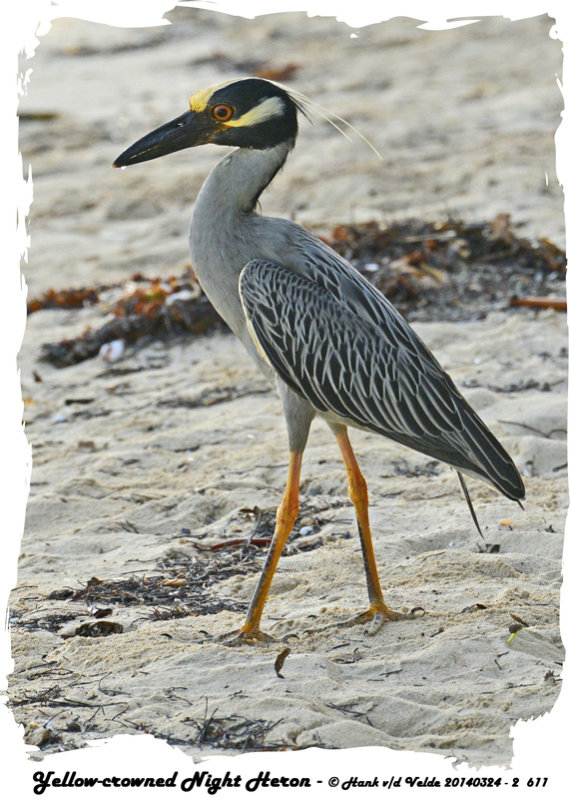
(306, 255)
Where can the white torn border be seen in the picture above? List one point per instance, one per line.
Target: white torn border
(540, 747)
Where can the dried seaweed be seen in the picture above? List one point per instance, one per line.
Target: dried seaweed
(448, 270)
(301, 539)
(97, 628)
(233, 732)
(47, 622)
(65, 298)
(451, 270)
(154, 309)
(181, 584)
(182, 598)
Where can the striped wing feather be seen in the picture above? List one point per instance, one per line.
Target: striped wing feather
(351, 354)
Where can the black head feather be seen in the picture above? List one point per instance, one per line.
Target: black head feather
(245, 96)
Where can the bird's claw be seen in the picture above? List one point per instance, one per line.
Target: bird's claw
(241, 636)
(377, 616)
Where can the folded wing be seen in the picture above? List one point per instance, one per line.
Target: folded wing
(369, 369)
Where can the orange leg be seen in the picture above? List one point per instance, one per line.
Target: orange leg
(285, 518)
(378, 609)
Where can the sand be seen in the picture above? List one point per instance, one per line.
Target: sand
(137, 462)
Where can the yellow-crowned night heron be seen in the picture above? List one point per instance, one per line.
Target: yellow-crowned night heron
(334, 344)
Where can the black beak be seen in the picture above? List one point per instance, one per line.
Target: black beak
(188, 130)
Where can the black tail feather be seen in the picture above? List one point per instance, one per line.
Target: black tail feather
(470, 506)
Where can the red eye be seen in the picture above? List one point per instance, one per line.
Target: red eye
(222, 113)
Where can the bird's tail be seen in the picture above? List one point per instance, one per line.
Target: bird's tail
(489, 460)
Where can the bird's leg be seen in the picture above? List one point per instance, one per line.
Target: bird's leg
(285, 519)
(378, 610)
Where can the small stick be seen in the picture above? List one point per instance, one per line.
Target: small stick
(540, 302)
(259, 541)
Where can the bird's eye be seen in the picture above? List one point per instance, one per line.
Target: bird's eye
(222, 113)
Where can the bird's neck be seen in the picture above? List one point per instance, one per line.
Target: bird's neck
(223, 227)
(236, 183)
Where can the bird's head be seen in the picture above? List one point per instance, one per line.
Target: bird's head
(251, 113)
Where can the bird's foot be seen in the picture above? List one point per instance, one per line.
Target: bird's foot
(379, 613)
(244, 636)
(375, 617)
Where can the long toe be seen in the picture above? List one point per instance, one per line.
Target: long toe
(376, 616)
(240, 637)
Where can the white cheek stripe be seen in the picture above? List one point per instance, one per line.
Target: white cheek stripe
(268, 108)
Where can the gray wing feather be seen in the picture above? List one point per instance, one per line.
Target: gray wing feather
(339, 343)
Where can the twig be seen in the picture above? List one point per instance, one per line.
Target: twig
(540, 302)
(531, 428)
(259, 541)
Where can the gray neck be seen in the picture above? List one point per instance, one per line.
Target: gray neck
(236, 182)
(224, 235)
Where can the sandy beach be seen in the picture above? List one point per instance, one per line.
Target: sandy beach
(144, 466)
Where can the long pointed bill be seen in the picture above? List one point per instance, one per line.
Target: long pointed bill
(188, 130)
